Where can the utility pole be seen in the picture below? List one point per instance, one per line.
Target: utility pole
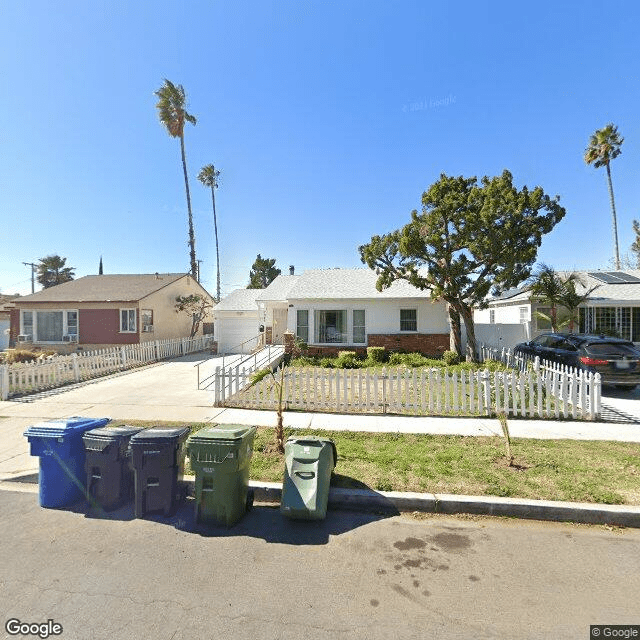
(33, 272)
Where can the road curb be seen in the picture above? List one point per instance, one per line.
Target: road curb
(397, 501)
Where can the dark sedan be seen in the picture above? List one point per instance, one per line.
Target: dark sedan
(616, 360)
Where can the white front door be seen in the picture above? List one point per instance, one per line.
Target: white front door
(279, 325)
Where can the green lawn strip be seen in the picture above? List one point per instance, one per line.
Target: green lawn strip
(568, 470)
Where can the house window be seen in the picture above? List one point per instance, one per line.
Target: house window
(524, 315)
(27, 323)
(146, 316)
(543, 324)
(492, 316)
(359, 334)
(330, 327)
(128, 321)
(302, 324)
(72, 323)
(408, 319)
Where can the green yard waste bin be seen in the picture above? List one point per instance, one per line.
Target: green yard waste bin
(309, 463)
(220, 458)
(109, 474)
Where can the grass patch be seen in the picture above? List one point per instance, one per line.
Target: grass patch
(571, 470)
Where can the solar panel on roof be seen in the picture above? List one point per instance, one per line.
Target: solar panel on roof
(615, 277)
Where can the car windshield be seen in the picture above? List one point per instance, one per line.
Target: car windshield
(611, 349)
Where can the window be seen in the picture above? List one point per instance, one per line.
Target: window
(27, 323)
(492, 316)
(359, 334)
(302, 324)
(408, 319)
(128, 321)
(524, 315)
(49, 326)
(146, 316)
(72, 323)
(331, 327)
(543, 324)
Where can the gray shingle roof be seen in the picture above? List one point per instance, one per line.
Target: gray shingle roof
(279, 289)
(348, 283)
(104, 288)
(240, 300)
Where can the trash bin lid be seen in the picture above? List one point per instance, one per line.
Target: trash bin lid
(222, 432)
(64, 427)
(159, 435)
(314, 440)
(111, 433)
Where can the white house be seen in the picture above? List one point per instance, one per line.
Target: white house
(336, 309)
(612, 308)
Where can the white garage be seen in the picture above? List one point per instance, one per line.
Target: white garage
(236, 322)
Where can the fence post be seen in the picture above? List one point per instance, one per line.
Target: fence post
(486, 385)
(155, 350)
(123, 358)
(4, 381)
(76, 368)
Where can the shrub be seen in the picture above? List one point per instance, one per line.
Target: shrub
(347, 360)
(376, 355)
(450, 358)
(327, 363)
(25, 355)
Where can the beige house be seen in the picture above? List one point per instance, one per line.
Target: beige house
(101, 311)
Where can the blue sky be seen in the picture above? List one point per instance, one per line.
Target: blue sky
(327, 119)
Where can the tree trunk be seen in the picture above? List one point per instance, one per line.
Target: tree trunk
(472, 348)
(192, 238)
(215, 227)
(614, 219)
(455, 337)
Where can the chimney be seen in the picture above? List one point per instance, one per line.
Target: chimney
(292, 270)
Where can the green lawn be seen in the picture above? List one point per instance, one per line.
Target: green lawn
(573, 470)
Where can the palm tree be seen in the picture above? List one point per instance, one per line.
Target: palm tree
(571, 300)
(173, 115)
(604, 146)
(209, 178)
(52, 271)
(548, 287)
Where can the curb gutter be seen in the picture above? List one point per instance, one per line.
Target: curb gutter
(396, 501)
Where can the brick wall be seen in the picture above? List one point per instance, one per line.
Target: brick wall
(429, 344)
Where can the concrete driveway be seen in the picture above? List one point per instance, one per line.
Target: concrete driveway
(621, 406)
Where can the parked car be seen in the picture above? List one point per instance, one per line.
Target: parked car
(616, 360)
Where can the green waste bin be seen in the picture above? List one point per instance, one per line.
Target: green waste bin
(220, 458)
(309, 463)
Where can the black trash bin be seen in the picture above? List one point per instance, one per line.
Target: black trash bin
(109, 474)
(157, 459)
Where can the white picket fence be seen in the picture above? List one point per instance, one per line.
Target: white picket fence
(55, 371)
(543, 393)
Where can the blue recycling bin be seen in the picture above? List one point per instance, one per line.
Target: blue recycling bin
(59, 444)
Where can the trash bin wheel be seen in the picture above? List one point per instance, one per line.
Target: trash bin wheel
(250, 496)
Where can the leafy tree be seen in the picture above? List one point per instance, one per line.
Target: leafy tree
(173, 115)
(604, 146)
(52, 271)
(635, 247)
(195, 305)
(467, 239)
(209, 177)
(263, 273)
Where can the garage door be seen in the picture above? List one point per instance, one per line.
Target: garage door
(236, 330)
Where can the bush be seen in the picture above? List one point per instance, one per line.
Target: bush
(450, 358)
(377, 355)
(25, 355)
(327, 363)
(347, 360)
(410, 360)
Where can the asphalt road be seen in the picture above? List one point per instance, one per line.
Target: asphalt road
(353, 575)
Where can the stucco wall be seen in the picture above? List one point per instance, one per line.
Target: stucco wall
(381, 316)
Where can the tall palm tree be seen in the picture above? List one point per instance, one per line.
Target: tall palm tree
(209, 177)
(173, 115)
(604, 146)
